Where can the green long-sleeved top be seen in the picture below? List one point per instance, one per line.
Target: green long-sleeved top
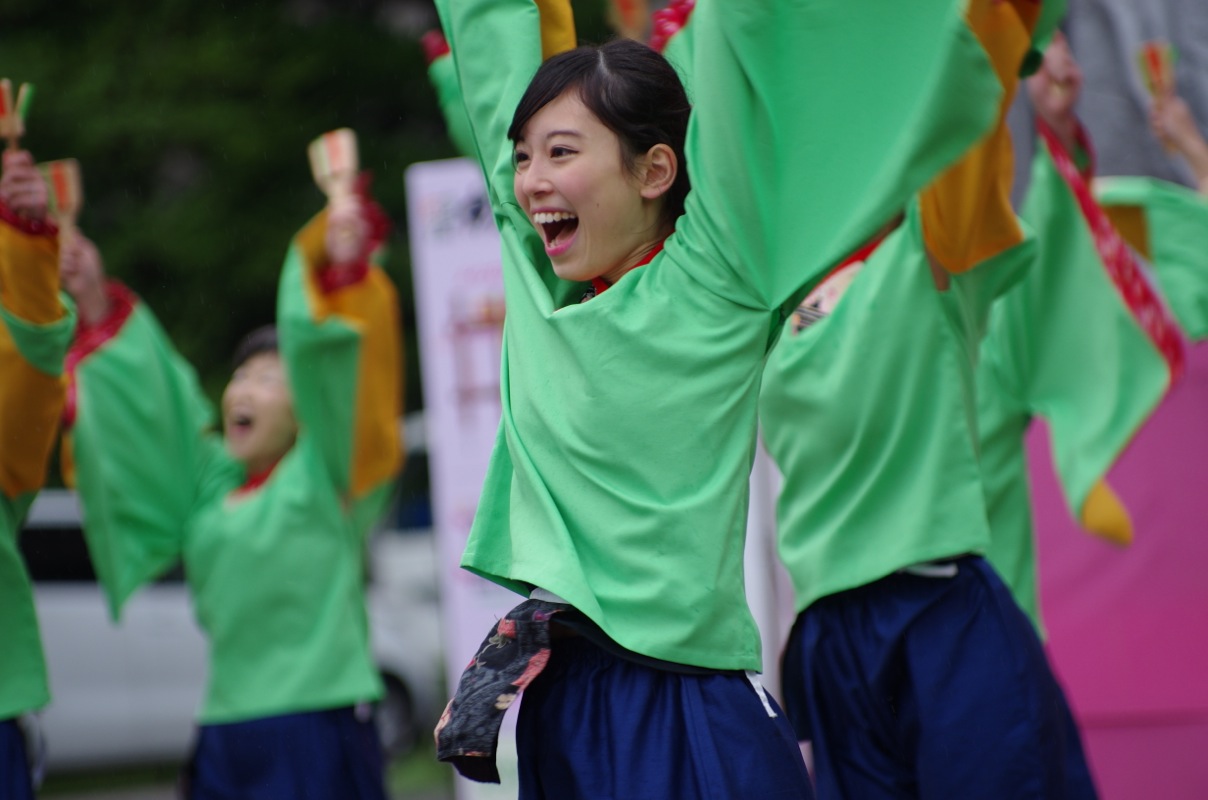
(1167, 225)
(619, 479)
(1071, 345)
(35, 330)
(888, 476)
(276, 573)
(883, 357)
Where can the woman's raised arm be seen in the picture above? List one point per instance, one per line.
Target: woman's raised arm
(497, 45)
(814, 122)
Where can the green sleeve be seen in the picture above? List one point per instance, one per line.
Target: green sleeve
(1051, 14)
(143, 450)
(496, 49)
(993, 278)
(443, 75)
(341, 345)
(43, 346)
(1003, 421)
(1176, 233)
(814, 122)
(1083, 360)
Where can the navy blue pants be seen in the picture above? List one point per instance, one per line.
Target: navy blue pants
(593, 726)
(930, 687)
(314, 755)
(14, 766)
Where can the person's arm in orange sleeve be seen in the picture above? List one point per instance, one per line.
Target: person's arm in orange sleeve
(967, 213)
(36, 330)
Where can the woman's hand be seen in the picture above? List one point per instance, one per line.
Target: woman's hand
(21, 186)
(1054, 91)
(1172, 123)
(82, 276)
(347, 229)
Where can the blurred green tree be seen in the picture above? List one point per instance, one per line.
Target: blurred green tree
(191, 120)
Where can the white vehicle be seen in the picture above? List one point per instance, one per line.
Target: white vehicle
(128, 693)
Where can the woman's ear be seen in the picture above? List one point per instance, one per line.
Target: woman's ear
(658, 170)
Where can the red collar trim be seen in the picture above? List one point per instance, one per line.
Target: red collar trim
(1129, 278)
(867, 249)
(600, 285)
(254, 482)
(861, 253)
(32, 227)
(89, 338)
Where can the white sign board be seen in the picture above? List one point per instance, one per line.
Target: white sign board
(459, 315)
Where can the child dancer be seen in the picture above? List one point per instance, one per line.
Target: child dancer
(270, 519)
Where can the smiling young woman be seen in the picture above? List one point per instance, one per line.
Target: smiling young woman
(616, 498)
(602, 187)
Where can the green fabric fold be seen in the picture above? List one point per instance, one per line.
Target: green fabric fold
(23, 682)
(1063, 346)
(142, 444)
(1177, 223)
(869, 413)
(43, 346)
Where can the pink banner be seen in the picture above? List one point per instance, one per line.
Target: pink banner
(1128, 629)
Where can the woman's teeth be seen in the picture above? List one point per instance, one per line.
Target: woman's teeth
(546, 217)
(553, 224)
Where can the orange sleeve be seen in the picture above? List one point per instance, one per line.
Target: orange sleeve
(29, 269)
(30, 404)
(31, 394)
(557, 27)
(369, 304)
(1130, 222)
(967, 213)
(1104, 515)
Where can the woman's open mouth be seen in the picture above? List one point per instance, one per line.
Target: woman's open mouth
(239, 425)
(558, 229)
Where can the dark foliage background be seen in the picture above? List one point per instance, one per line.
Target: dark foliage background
(191, 120)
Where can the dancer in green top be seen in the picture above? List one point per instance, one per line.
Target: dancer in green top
(269, 519)
(617, 493)
(35, 330)
(910, 669)
(1087, 341)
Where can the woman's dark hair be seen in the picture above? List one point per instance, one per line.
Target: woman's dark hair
(630, 88)
(261, 340)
